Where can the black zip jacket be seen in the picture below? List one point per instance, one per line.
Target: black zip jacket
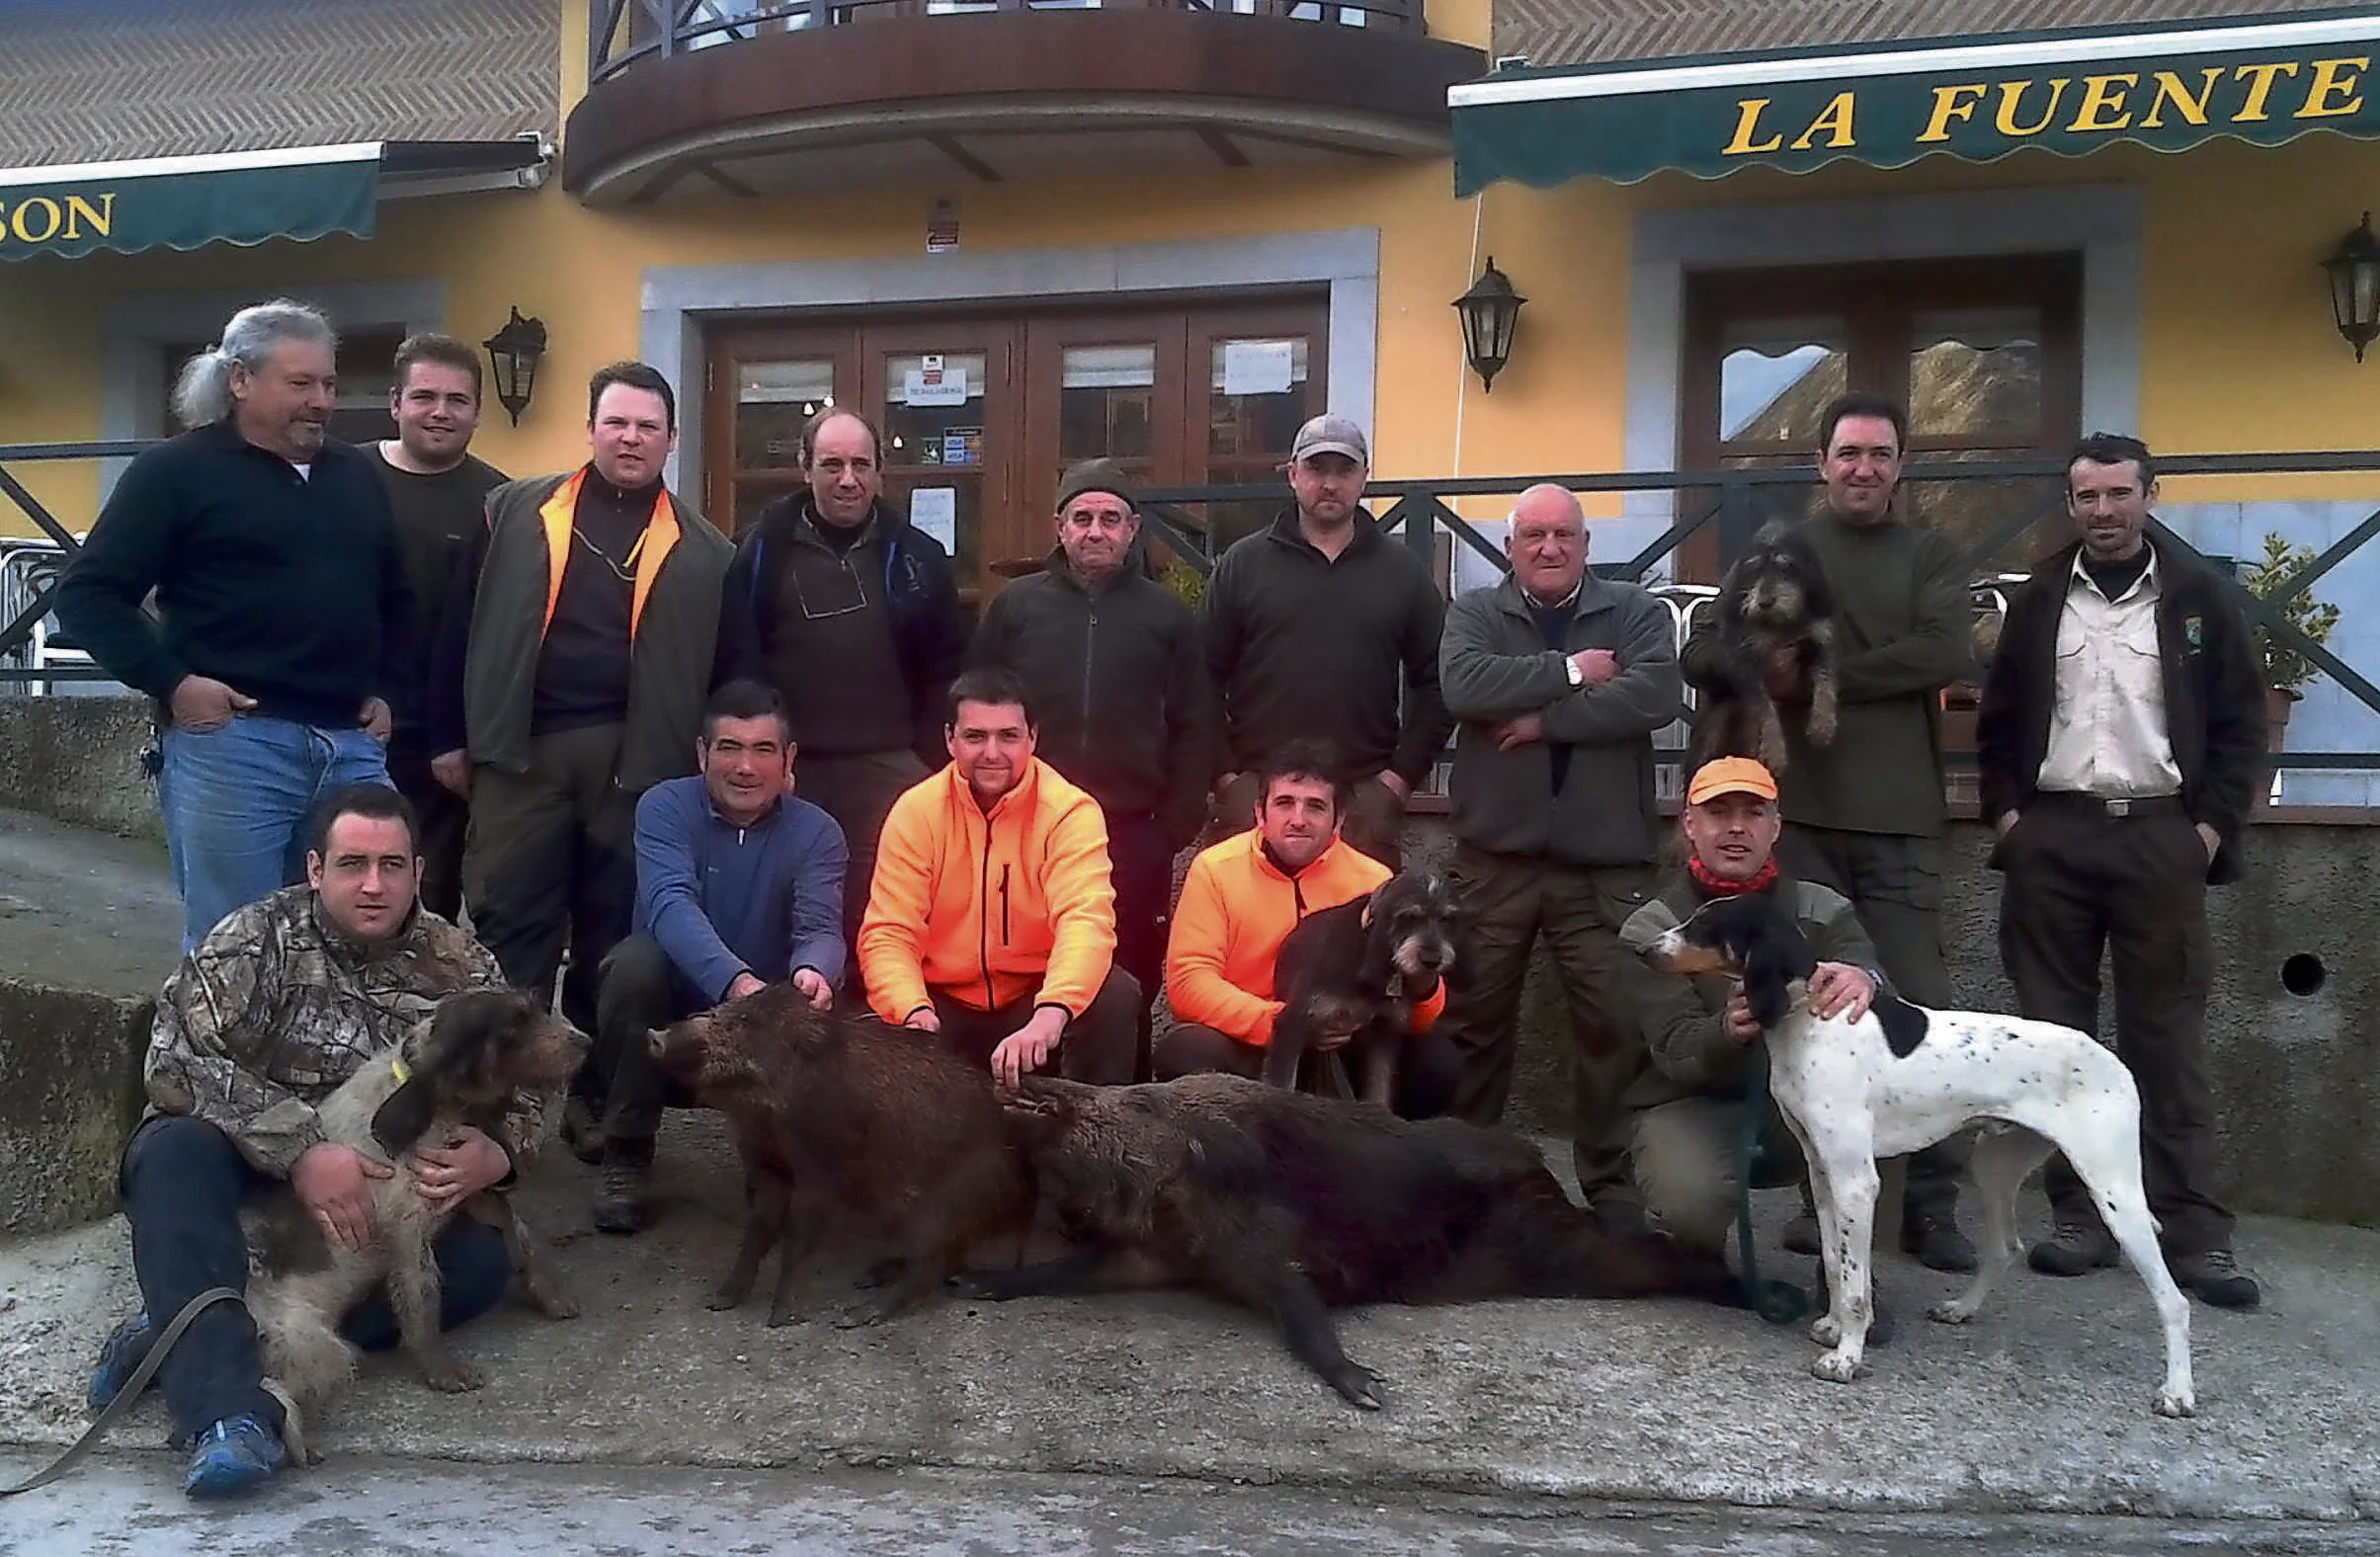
(1306, 648)
(1118, 684)
(287, 588)
(918, 585)
(2214, 696)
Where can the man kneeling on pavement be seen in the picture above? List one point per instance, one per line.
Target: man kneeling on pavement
(1688, 1102)
(268, 1015)
(739, 884)
(991, 920)
(1239, 903)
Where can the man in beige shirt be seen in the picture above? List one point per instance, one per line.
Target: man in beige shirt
(2121, 739)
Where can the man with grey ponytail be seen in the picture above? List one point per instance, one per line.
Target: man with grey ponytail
(283, 605)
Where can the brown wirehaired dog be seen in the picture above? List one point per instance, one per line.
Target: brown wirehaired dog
(1355, 966)
(461, 1066)
(1774, 598)
(1293, 1204)
(837, 1115)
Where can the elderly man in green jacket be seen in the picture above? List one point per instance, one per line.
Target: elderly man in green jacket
(1558, 681)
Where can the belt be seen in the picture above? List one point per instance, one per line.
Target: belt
(2137, 805)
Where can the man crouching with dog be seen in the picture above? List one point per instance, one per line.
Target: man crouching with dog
(991, 919)
(1688, 1102)
(1240, 901)
(266, 1016)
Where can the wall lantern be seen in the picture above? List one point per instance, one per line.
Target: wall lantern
(514, 352)
(1489, 312)
(2356, 286)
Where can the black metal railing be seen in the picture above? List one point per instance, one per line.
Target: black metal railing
(2003, 512)
(621, 33)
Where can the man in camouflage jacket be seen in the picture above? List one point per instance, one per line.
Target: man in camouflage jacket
(267, 1016)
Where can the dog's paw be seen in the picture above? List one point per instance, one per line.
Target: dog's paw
(2177, 1403)
(1951, 1311)
(451, 1375)
(553, 1302)
(1838, 1368)
(1360, 1385)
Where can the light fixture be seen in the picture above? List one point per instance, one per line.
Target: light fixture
(2356, 286)
(514, 352)
(1489, 312)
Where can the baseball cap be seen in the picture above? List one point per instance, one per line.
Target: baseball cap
(1331, 435)
(1730, 776)
(1096, 475)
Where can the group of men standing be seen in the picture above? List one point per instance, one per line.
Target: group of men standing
(591, 701)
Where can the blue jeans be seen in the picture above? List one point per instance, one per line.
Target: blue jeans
(183, 1185)
(236, 800)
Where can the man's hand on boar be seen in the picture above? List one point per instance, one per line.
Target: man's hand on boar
(1028, 1047)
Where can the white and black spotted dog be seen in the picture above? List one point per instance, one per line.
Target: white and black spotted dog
(463, 1065)
(1901, 1078)
(1774, 598)
(1356, 966)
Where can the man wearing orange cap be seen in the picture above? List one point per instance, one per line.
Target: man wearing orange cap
(1688, 1105)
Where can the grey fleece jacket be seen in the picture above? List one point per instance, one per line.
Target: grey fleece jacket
(1494, 664)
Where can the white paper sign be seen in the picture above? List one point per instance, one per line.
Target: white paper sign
(934, 511)
(934, 385)
(1256, 367)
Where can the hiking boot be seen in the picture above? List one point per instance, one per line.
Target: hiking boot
(235, 1456)
(1801, 1234)
(2076, 1248)
(1937, 1243)
(119, 1357)
(624, 1202)
(582, 1130)
(2216, 1277)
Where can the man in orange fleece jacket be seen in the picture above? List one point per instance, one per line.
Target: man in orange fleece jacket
(1239, 903)
(991, 921)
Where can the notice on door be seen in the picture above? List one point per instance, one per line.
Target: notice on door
(1257, 366)
(931, 383)
(934, 511)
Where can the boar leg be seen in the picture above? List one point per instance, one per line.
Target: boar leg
(764, 1201)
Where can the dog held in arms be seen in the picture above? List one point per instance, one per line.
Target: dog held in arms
(1773, 600)
(1354, 967)
(841, 1114)
(1902, 1077)
(1293, 1204)
(463, 1065)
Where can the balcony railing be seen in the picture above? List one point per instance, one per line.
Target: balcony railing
(626, 33)
(2001, 513)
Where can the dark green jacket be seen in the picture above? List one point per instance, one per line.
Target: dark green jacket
(1684, 1020)
(1494, 664)
(669, 667)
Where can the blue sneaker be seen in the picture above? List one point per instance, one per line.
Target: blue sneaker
(120, 1357)
(235, 1455)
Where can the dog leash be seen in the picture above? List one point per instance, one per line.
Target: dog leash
(130, 1391)
(1779, 1302)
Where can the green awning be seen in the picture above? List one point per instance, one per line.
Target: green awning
(182, 202)
(2169, 85)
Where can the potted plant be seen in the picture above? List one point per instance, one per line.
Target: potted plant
(2286, 670)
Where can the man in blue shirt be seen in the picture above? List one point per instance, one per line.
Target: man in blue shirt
(738, 884)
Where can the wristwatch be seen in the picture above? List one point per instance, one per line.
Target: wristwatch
(1570, 668)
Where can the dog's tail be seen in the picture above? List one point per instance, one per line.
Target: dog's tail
(302, 1347)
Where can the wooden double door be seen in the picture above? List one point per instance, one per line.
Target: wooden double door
(981, 413)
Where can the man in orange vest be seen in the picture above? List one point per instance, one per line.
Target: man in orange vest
(1239, 903)
(570, 677)
(991, 922)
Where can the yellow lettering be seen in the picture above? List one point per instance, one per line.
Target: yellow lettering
(1835, 119)
(2335, 78)
(2260, 87)
(1948, 106)
(2171, 90)
(1748, 119)
(101, 217)
(2011, 93)
(23, 228)
(2098, 101)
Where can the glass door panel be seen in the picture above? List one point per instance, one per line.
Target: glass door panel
(1259, 392)
(1775, 376)
(936, 411)
(772, 399)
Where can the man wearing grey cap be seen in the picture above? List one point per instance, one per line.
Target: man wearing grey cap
(1319, 627)
(1113, 662)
